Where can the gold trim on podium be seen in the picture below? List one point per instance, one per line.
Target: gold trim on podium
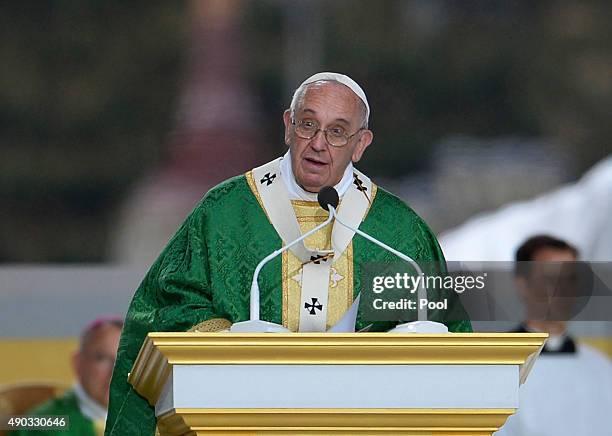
(161, 351)
(474, 422)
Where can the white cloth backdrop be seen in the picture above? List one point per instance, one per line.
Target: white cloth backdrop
(580, 213)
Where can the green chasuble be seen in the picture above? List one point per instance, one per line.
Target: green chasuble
(205, 273)
(67, 404)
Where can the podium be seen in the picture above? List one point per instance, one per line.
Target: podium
(333, 384)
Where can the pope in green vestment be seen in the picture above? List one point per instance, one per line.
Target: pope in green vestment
(203, 276)
(205, 273)
(66, 405)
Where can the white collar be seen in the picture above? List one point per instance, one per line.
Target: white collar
(88, 406)
(296, 192)
(553, 343)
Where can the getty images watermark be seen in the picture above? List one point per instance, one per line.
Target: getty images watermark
(487, 291)
(402, 283)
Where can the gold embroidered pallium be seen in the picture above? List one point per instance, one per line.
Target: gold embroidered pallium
(309, 214)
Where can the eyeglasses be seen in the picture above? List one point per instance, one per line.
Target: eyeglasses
(335, 136)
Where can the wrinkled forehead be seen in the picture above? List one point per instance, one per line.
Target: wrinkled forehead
(334, 95)
(340, 78)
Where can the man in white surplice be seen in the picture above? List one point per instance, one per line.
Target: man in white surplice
(569, 390)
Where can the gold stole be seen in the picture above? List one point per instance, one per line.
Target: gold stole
(309, 214)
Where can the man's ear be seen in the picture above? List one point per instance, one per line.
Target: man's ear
(288, 126)
(364, 141)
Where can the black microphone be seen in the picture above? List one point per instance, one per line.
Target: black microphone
(328, 196)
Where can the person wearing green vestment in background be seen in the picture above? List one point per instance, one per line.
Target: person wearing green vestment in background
(86, 403)
(201, 280)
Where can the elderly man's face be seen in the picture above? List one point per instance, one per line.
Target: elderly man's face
(315, 163)
(94, 363)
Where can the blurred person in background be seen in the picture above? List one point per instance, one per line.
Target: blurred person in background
(202, 278)
(86, 403)
(569, 390)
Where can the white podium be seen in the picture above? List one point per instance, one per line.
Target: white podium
(333, 384)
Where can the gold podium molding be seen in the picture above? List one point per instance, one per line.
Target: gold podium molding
(456, 422)
(161, 351)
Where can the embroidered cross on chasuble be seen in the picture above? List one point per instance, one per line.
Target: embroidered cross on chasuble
(340, 292)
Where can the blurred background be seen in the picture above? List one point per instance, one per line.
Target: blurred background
(491, 119)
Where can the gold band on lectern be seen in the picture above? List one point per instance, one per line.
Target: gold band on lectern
(334, 421)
